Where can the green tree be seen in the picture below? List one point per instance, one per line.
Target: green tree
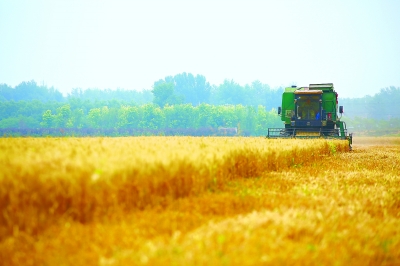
(230, 92)
(94, 118)
(164, 94)
(63, 116)
(109, 117)
(48, 120)
(262, 121)
(152, 117)
(78, 118)
(204, 115)
(180, 116)
(129, 117)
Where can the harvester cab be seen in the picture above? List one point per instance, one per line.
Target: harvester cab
(311, 112)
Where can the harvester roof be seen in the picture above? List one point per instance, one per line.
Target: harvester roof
(308, 92)
(322, 86)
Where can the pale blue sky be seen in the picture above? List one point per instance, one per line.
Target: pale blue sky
(130, 44)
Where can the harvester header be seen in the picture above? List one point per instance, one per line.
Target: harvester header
(311, 112)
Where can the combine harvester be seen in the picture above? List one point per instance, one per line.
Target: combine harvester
(311, 112)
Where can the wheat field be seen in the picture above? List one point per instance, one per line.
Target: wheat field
(199, 201)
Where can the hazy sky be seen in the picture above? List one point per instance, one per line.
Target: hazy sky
(130, 44)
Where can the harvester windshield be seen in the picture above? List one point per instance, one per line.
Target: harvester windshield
(308, 107)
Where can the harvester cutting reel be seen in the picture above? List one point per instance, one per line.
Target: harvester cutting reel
(305, 133)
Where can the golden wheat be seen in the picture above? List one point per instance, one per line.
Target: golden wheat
(124, 201)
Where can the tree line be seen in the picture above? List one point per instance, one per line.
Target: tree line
(374, 115)
(381, 106)
(117, 119)
(184, 88)
(180, 104)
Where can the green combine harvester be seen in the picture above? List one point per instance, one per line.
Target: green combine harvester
(311, 112)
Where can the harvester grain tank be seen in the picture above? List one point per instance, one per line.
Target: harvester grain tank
(311, 112)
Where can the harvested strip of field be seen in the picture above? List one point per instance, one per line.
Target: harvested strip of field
(376, 141)
(325, 208)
